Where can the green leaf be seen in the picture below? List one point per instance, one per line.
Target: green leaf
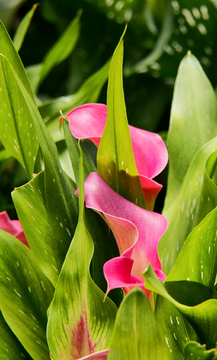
(202, 316)
(79, 321)
(23, 27)
(197, 260)
(30, 204)
(192, 122)
(136, 334)
(10, 347)
(197, 197)
(63, 47)
(195, 351)
(18, 133)
(8, 50)
(25, 295)
(115, 159)
(176, 329)
(61, 208)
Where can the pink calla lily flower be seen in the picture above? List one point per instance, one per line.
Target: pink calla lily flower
(137, 232)
(150, 153)
(13, 227)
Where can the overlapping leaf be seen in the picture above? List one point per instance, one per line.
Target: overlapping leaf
(115, 160)
(193, 122)
(26, 294)
(10, 347)
(197, 197)
(61, 208)
(30, 203)
(18, 133)
(197, 260)
(175, 328)
(202, 316)
(80, 323)
(195, 351)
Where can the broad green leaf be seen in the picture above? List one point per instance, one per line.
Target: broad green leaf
(30, 204)
(115, 159)
(195, 351)
(80, 322)
(22, 28)
(193, 122)
(136, 334)
(63, 47)
(202, 316)
(197, 260)
(10, 347)
(88, 93)
(18, 133)
(26, 294)
(61, 203)
(197, 197)
(176, 330)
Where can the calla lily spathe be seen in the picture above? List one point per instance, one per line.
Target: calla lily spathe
(150, 153)
(137, 232)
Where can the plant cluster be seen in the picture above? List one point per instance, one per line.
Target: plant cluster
(90, 270)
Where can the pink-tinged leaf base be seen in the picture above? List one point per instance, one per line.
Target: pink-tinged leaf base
(100, 355)
(13, 227)
(151, 156)
(80, 338)
(137, 233)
